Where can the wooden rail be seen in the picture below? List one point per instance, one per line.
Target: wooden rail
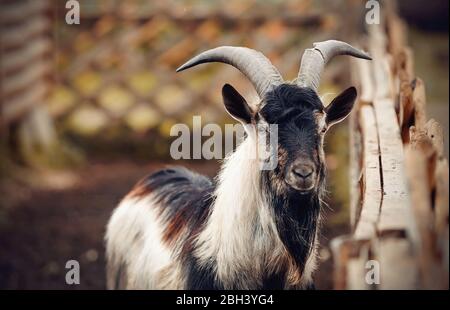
(26, 68)
(25, 57)
(399, 176)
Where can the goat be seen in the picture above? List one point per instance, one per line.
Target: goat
(252, 228)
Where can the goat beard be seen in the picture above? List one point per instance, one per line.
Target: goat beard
(297, 219)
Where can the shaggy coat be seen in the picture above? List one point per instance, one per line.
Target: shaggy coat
(248, 230)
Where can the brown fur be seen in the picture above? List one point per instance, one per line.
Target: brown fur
(175, 227)
(140, 190)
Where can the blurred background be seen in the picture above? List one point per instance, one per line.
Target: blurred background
(86, 109)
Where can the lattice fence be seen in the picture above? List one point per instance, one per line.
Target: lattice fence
(116, 70)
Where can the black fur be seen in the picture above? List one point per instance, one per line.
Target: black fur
(296, 218)
(200, 277)
(296, 214)
(341, 106)
(293, 110)
(180, 190)
(288, 99)
(236, 104)
(274, 281)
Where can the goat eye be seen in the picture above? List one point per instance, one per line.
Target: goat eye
(324, 129)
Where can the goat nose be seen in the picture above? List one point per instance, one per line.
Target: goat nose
(303, 171)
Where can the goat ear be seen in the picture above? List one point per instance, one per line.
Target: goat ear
(341, 106)
(236, 104)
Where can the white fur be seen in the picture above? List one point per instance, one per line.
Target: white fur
(134, 240)
(240, 210)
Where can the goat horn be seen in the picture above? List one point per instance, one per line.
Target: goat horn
(254, 65)
(314, 60)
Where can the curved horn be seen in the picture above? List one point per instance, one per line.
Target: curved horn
(254, 65)
(314, 60)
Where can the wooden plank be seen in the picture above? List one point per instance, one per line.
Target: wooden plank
(444, 245)
(356, 266)
(441, 210)
(362, 76)
(436, 134)
(419, 140)
(441, 201)
(365, 77)
(396, 31)
(371, 202)
(355, 169)
(349, 257)
(406, 106)
(395, 200)
(398, 269)
(20, 10)
(356, 274)
(440, 188)
(20, 81)
(380, 65)
(395, 205)
(340, 248)
(408, 62)
(20, 34)
(21, 104)
(18, 59)
(419, 100)
(416, 163)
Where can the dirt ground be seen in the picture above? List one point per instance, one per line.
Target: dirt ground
(48, 227)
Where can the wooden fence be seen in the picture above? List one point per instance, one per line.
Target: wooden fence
(399, 175)
(25, 53)
(26, 66)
